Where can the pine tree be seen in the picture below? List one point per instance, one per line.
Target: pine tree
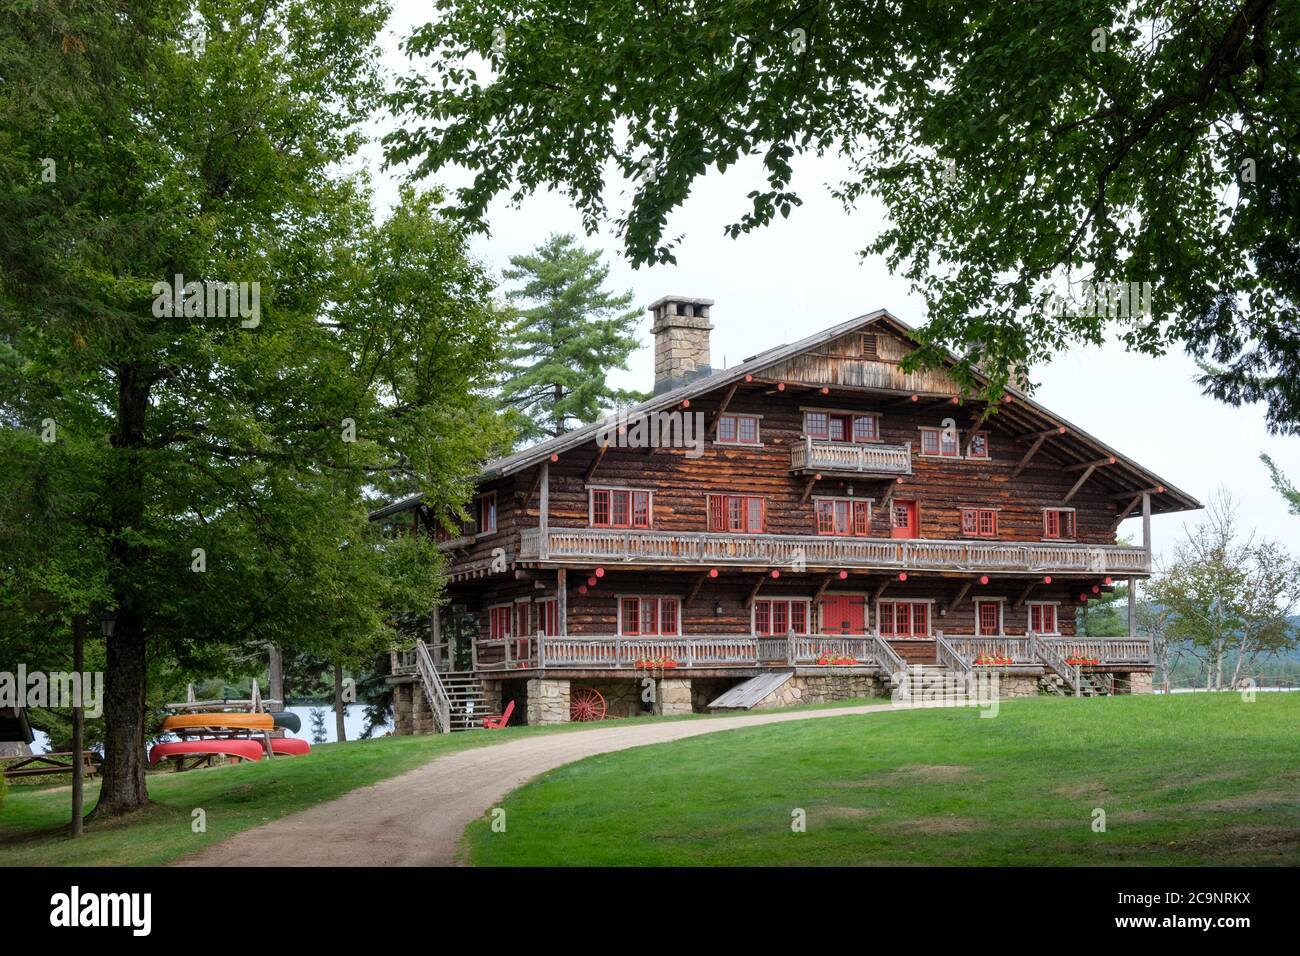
(569, 336)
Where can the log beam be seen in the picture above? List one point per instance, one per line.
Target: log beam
(1033, 450)
(753, 592)
(726, 401)
(1024, 595)
(965, 589)
(1079, 484)
(695, 588)
(826, 582)
(1125, 512)
(1097, 463)
(595, 462)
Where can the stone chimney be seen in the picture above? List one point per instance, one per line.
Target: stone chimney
(681, 329)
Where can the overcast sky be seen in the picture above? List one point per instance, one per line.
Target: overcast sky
(805, 273)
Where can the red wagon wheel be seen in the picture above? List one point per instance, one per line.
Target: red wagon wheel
(585, 703)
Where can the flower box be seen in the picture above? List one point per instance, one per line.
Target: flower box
(1082, 661)
(838, 661)
(657, 663)
(989, 660)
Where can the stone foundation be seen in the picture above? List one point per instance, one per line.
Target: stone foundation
(673, 696)
(403, 725)
(1136, 683)
(421, 715)
(623, 698)
(548, 702)
(822, 689)
(1011, 686)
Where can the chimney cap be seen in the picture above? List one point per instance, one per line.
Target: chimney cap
(680, 305)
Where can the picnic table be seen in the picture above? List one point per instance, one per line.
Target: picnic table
(45, 764)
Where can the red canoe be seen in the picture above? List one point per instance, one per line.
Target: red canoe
(290, 746)
(244, 749)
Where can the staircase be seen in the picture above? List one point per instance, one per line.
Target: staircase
(467, 699)
(929, 685)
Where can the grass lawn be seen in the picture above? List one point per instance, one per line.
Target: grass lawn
(1192, 780)
(34, 819)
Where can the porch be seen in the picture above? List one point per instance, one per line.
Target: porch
(859, 459)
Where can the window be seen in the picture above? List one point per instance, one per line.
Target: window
(1042, 618)
(548, 617)
(841, 426)
(523, 625)
(619, 508)
(648, 616)
(978, 447)
(487, 513)
(738, 429)
(846, 517)
(739, 513)
(778, 616)
(979, 522)
(1058, 523)
(499, 622)
(988, 617)
(870, 345)
(903, 618)
(940, 442)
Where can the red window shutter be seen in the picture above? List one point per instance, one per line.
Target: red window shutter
(631, 616)
(717, 512)
(861, 518)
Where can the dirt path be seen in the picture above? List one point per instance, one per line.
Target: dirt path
(416, 819)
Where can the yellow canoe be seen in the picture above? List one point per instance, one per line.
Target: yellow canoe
(232, 721)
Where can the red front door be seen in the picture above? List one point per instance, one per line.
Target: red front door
(903, 519)
(844, 614)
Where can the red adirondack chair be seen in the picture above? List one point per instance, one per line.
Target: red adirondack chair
(496, 723)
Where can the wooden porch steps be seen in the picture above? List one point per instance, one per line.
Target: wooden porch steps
(468, 700)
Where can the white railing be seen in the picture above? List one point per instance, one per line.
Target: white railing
(1052, 658)
(581, 545)
(973, 648)
(600, 652)
(439, 701)
(1107, 650)
(867, 459)
(948, 656)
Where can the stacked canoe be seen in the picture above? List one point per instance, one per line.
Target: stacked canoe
(237, 734)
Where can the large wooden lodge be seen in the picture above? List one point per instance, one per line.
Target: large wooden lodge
(804, 526)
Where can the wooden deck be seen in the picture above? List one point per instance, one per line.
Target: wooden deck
(639, 548)
(845, 458)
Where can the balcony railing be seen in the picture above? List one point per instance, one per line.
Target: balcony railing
(582, 545)
(856, 458)
(832, 651)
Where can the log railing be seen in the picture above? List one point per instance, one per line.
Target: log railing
(1107, 650)
(866, 459)
(439, 701)
(973, 648)
(948, 656)
(1052, 659)
(581, 545)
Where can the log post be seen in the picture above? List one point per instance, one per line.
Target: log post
(544, 513)
(562, 600)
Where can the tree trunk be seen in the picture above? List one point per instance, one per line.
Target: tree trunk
(338, 703)
(123, 787)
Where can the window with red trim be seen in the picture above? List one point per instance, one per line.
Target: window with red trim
(499, 623)
(741, 513)
(738, 429)
(523, 625)
(988, 615)
(941, 442)
(841, 427)
(1058, 523)
(903, 618)
(649, 616)
(548, 616)
(979, 522)
(778, 616)
(619, 508)
(1042, 618)
(487, 513)
(978, 446)
(844, 517)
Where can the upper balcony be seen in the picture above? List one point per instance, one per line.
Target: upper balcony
(845, 458)
(632, 548)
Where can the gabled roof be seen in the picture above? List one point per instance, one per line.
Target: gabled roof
(1077, 446)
